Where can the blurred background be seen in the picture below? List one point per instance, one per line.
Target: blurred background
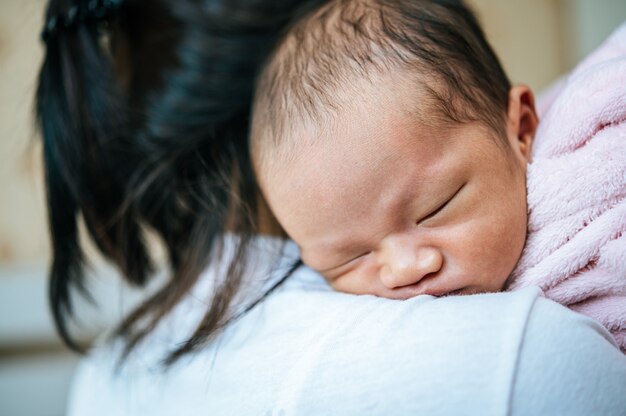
(537, 41)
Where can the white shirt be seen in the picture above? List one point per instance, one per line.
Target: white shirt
(307, 350)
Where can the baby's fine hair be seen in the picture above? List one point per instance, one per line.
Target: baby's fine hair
(342, 42)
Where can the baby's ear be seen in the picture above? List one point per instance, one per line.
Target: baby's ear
(521, 120)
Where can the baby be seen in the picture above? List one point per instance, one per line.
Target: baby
(392, 148)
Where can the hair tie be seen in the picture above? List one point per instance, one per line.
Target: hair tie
(95, 11)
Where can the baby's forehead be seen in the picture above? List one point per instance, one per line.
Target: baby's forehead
(380, 109)
(387, 118)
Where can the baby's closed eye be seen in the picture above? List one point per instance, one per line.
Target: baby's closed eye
(441, 207)
(341, 267)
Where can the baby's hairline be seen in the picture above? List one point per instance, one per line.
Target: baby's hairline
(341, 42)
(282, 145)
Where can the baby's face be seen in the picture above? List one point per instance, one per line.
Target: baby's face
(383, 205)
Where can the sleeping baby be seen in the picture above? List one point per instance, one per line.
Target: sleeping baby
(392, 148)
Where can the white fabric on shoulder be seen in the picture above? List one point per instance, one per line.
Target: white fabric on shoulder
(307, 350)
(569, 365)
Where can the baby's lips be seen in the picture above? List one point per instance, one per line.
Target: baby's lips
(430, 289)
(441, 292)
(437, 286)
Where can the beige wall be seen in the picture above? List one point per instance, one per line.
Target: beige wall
(536, 39)
(22, 216)
(527, 36)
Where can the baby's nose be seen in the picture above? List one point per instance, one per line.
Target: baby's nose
(407, 265)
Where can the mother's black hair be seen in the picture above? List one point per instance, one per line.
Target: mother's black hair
(144, 123)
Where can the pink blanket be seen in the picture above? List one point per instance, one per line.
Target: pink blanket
(576, 246)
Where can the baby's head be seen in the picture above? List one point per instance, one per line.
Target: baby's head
(391, 147)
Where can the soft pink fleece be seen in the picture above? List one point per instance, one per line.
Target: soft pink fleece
(576, 246)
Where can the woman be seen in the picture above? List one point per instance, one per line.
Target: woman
(144, 111)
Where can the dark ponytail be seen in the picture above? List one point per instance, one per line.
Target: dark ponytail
(145, 126)
(84, 122)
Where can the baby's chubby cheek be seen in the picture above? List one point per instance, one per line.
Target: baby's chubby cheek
(491, 244)
(494, 251)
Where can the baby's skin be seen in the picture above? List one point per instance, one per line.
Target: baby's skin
(385, 202)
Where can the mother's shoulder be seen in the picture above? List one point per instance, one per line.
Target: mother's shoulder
(306, 350)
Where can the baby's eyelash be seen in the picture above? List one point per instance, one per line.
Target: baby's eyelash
(442, 206)
(352, 259)
(343, 264)
(359, 256)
